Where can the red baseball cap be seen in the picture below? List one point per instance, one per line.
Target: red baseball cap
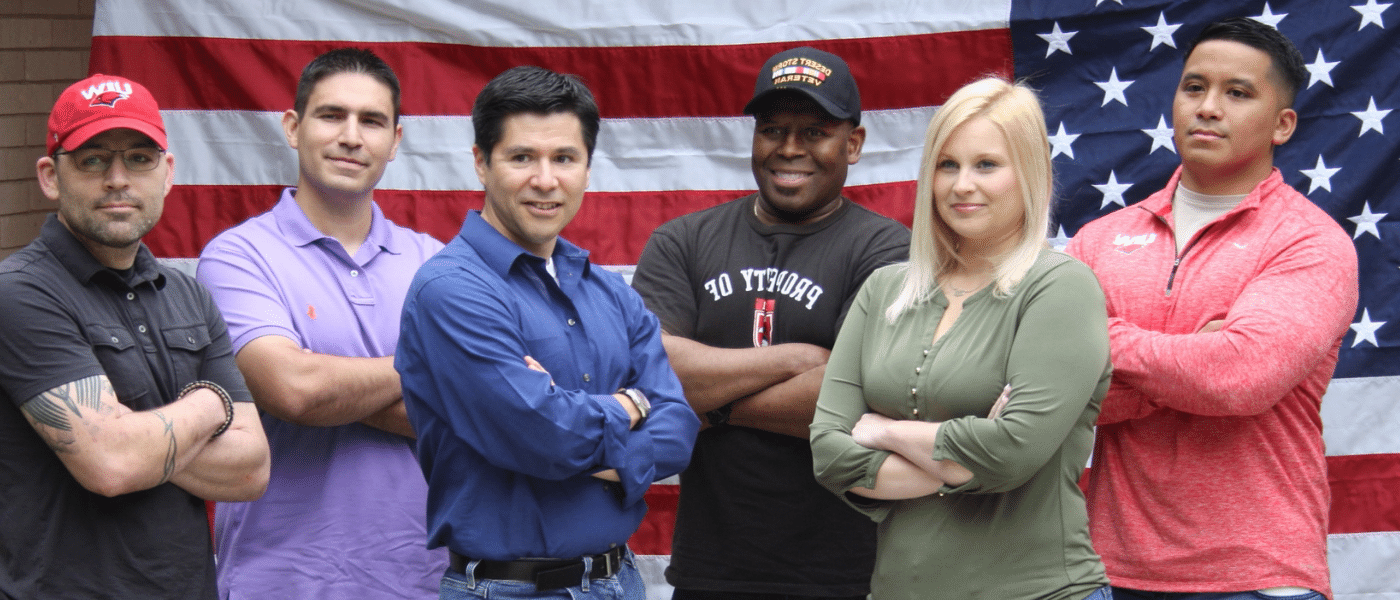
(100, 103)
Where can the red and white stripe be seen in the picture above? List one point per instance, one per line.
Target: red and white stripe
(668, 145)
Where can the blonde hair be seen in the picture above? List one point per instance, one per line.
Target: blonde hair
(933, 254)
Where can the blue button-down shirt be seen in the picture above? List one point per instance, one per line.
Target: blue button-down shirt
(508, 453)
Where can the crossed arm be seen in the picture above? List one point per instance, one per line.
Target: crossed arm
(773, 388)
(113, 450)
(322, 390)
(1284, 321)
(633, 415)
(288, 381)
(859, 451)
(911, 472)
(1283, 336)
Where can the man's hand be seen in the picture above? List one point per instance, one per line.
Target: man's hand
(1215, 325)
(313, 389)
(535, 365)
(112, 450)
(632, 411)
(714, 377)
(607, 474)
(806, 357)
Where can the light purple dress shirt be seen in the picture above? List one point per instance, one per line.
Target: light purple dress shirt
(344, 512)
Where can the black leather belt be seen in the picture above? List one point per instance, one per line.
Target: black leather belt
(546, 574)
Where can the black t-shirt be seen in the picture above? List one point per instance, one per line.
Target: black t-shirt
(752, 517)
(150, 331)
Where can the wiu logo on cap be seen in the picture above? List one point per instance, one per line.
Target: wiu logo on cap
(107, 93)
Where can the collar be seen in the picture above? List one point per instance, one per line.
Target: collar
(750, 215)
(296, 226)
(80, 263)
(500, 254)
(1160, 204)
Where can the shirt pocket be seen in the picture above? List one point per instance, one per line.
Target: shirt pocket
(124, 363)
(187, 345)
(554, 352)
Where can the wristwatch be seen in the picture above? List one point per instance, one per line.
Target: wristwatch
(639, 399)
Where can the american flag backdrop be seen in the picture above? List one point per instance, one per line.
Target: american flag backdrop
(671, 79)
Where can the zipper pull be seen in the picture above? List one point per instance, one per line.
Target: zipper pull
(1171, 278)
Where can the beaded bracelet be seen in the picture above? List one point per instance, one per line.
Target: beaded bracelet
(223, 395)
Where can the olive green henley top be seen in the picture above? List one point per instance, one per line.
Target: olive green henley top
(1018, 529)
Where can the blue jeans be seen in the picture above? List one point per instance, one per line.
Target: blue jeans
(1127, 594)
(626, 584)
(1103, 593)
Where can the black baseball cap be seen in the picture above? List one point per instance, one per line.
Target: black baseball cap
(821, 76)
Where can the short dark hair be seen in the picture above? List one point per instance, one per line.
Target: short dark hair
(345, 60)
(1287, 61)
(532, 90)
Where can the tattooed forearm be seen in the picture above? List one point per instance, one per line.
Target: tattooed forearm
(88, 392)
(58, 408)
(48, 409)
(170, 450)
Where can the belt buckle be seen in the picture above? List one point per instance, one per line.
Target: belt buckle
(612, 561)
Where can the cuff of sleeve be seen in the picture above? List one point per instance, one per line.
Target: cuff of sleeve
(970, 486)
(940, 452)
(244, 337)
(639, 469)
(876, 510)
(628, 452)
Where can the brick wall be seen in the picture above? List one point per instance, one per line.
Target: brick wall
(44, 47)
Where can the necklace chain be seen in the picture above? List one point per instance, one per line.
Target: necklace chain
(959, 292)
(839, 202)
